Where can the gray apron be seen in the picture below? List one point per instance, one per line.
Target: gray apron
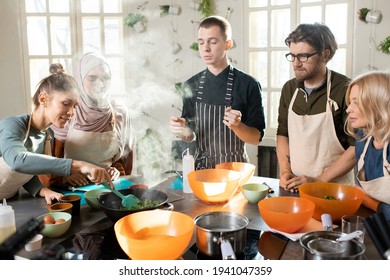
(216, 142)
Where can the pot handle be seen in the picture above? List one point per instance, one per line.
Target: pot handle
(227, 250)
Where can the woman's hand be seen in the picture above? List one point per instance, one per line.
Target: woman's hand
(76, 179)
(50, 195)
(95, 174)
(113, 172)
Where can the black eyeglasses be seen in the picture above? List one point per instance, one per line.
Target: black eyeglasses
(302, 57)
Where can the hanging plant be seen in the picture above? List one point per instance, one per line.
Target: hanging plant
(135, 21)
(194, 46)
(363, 13)
(206, 8)
(164, 9)
(384, 46)
(169, 9)
(131, 19)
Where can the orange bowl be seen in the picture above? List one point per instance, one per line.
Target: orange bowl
(286, 213)
(214, 185)
(154, 234)
(345, 199)
(246, 169)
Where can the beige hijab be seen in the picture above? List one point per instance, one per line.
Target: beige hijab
(96, 115)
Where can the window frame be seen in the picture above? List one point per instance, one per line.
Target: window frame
(295, 6)
(76, 37)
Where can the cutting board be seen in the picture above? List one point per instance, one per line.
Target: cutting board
(120, 184)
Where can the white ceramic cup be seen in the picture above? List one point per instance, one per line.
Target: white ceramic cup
(34, 243)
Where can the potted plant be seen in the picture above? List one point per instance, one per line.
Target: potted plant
(194, 46)
(136, 21)
(206, 7)
(164, 10)
(169, 9)
(384, 46)
(363, 13)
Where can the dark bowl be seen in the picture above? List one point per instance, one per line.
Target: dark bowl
(112, 204)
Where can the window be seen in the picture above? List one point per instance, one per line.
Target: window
(269, 23)
(55, 30)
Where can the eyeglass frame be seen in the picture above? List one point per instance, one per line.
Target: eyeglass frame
(299, 56)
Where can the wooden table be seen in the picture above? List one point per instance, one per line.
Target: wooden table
(27, 207)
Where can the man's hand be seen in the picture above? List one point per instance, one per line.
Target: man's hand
(232, 118)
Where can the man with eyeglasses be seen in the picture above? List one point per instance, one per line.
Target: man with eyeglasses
(311, 142)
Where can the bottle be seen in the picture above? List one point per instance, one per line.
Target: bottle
(7, 221)
(188, 166)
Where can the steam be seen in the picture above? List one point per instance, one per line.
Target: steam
(156, 64)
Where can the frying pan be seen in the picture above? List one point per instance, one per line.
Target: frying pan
(112, 204)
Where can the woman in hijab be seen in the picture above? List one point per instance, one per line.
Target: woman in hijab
(99, 132)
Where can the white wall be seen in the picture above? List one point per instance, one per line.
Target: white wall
(365, 52)
(13, 97)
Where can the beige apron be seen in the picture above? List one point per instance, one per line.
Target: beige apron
(11, 181)
(313, 142)
(94, 147)
(378, 188)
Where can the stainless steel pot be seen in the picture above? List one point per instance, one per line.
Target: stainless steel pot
(221, 234)
(323, 245)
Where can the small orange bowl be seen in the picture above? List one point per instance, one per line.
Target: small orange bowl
(246, 169)
(332, 198)
(154, 234)
(61, 207)
(286, 213)
(214, 185)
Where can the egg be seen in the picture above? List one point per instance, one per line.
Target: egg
(59, 221)
(48, 219)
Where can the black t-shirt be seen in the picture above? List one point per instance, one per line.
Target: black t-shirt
(246, 96)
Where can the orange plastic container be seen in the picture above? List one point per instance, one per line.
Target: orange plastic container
(214, 185)
(154, 234)
(332, 198)
(286, 213)
(246, 169)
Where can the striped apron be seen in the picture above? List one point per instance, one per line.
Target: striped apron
(216, 142)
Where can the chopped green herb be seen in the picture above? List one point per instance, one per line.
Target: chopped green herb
(147, 203)
(329, 197)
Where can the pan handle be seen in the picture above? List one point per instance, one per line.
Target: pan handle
(227, 250)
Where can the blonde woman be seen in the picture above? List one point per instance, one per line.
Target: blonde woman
(368, 100)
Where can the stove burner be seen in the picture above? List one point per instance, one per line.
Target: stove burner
(250, 251)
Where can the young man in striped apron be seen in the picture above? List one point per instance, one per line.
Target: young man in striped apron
(222, 106)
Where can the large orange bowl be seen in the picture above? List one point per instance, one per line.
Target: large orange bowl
(246, 169)
(286, 213)
(154, 234)
(214, 185)
(332, 198)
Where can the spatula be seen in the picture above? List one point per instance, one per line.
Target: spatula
(128, 201)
